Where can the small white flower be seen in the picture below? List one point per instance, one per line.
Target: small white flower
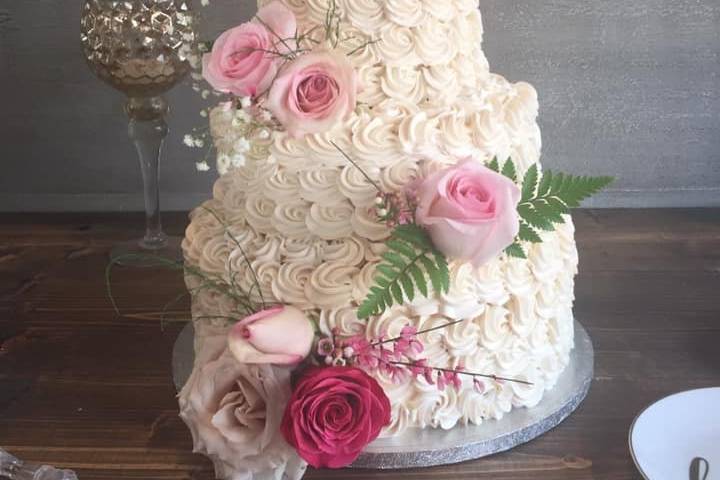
(246, 102)
(236, 122)
(243, 116)
(205, 94)
(199, 142)
(263, 134)
(238, 160)
(189, 141)
(202, 166)
(242, 145)
(203, 113)
(266, 116)
(196, 76)
(204, 3)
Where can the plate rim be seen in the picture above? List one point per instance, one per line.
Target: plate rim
(642, 412)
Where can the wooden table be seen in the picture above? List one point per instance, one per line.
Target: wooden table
(84, 389)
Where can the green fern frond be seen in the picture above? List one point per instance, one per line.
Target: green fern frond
(546, 200)
(516, 250)
(410, 260)
(494, 165)
(528, 233)
(509, 170)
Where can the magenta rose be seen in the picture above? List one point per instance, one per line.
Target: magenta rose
(241, 61)
(469, 211)
(313, 93)
(333, 414)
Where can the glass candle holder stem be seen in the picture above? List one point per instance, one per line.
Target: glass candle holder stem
(148, 129)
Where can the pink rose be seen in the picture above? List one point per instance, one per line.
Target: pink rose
(333, 414)
(469, 211)
(234, 410)
(280, 335)
(313, 93)
(240, 62)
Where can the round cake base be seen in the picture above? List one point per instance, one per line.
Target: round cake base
(432, 447)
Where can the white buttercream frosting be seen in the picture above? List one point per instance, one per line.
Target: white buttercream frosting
(303, 217)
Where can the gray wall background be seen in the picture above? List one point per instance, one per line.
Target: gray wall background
(630, 88)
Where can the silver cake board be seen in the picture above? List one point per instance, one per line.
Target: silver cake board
(433, 447)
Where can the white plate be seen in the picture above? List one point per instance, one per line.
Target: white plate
(667, 435)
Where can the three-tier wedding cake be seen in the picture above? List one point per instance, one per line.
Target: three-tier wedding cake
(304, 215)
(359, 101)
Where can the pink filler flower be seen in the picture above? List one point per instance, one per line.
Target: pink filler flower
(241, 61)
(469, 211)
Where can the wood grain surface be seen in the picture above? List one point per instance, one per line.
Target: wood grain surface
(87, 390)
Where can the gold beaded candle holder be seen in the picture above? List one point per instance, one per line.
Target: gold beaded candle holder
(140, 47)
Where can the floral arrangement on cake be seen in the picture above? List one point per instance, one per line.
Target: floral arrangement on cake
(271, 395)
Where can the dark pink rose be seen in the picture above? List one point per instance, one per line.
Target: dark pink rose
(469, 211)
(313, 93)
(333, 414)
(240, 62)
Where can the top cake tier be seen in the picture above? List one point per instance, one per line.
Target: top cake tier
(437, 39)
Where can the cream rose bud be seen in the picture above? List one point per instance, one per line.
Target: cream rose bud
(241, 61)
(313, 93)
(469, 211)
(280, 336)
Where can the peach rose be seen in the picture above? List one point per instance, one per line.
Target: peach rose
(234, 412)
(313, 93)
(280, 335)
(469, 211)
(241, 61)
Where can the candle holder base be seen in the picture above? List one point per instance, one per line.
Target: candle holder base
(142, 254)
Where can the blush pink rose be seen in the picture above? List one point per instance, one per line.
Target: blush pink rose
(240, 62)
(313, 93)
(333, 414)
(280, 336)
(469, 211)
(234, 411)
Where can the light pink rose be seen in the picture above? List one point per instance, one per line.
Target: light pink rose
(239, 62)
(234, 412)
(470, 211)
(280, 335)
(313, 93)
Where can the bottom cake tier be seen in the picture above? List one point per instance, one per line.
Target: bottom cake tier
(518, 319)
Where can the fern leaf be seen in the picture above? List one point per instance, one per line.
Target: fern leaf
(433, 273)
(397, 293)
(509, 170)
(410, 259)
(494, 165)
(443, 271)
(549, 211)
(414, 235)
(534, 218)
(528, 234)
(544, 186)
(408, 287)
(419, 279)
(401, 247)
(516, 250)
(387, 270)
(530, 183)
(394, 259)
